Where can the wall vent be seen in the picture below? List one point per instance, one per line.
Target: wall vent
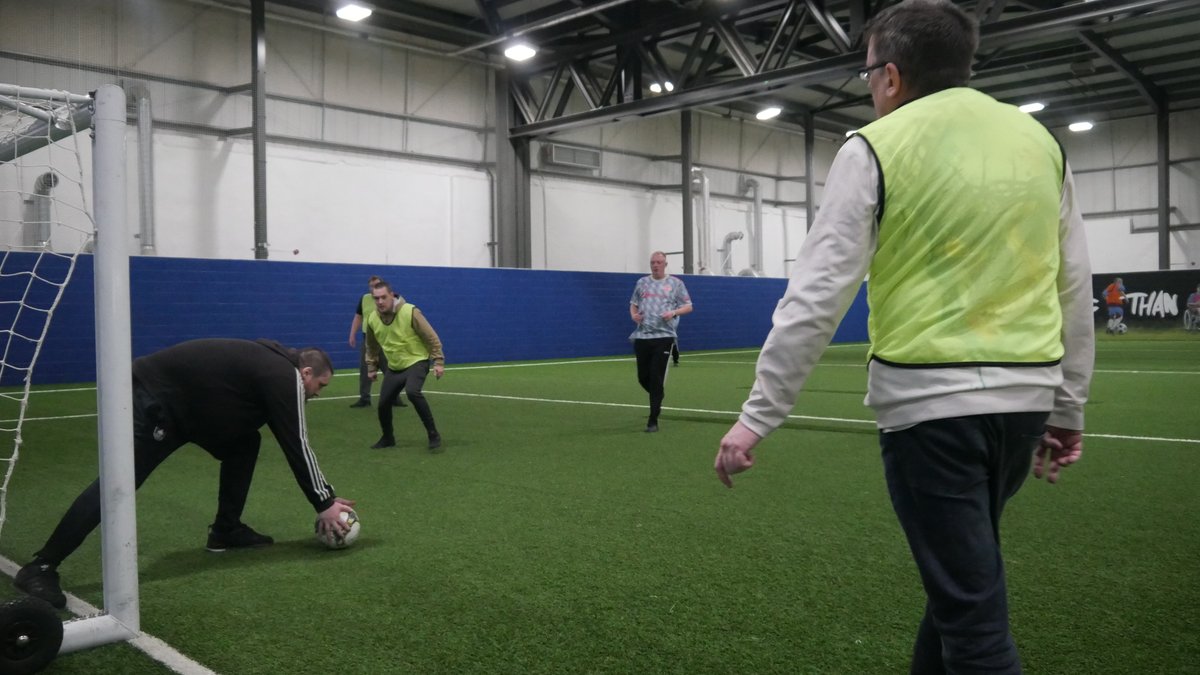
(576, 158)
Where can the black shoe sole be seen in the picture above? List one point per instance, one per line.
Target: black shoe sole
(379, 445)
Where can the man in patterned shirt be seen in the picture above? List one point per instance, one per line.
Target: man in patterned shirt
(657, 303)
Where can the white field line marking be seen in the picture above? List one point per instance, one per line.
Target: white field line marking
(1086, 434)
(147, 644)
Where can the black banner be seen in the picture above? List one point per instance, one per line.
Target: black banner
(1153, 300)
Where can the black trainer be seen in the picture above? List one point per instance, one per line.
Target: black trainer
(241, 536)
(361, 403)
(41, 581)
(652, 428)
(435, 443)
(384, 442)
(399, 403)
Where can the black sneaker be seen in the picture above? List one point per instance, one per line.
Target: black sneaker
(239, 537)
(384, 442)
(360, 403)
(652, 428)
(435, 443)
(399, 403)
(41, 581)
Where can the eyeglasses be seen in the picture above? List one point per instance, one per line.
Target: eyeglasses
(865, 73)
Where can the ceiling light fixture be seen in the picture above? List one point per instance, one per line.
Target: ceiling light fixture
(770, 112)
(353, 12)
(656, 87)
(520, 52)
(1080, 126)
(1032, 107)
(668, 86)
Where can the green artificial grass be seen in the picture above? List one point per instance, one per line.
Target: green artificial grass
(554, 536)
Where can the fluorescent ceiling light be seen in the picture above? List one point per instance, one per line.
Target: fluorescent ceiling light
(353, 12)
(1080, 126)
(656, 88)
(520, 52)
(668, 86)
(1032, 107)
(768, 113)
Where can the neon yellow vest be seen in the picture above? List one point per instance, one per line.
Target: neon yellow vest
(968, 252)
(399, 342)
(368, 305)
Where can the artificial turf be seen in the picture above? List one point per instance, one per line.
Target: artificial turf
(554, 536)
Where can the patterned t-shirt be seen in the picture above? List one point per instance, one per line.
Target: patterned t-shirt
(653, 297)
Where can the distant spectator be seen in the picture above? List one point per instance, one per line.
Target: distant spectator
(1114, 297)
(1191, 318)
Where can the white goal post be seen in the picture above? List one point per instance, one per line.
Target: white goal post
(58, 115)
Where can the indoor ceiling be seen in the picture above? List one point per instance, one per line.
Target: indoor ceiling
(598, 59)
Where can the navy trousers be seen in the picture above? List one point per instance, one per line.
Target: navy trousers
(949, 480)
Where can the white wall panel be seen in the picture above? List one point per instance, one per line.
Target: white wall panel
(368, 131)
(658, 135)
(297, 120)
(1134, 141)
(447, 90)
(1135, 188)
(295, 61)
(430, 139)
(760, 149)
(333, 207)
(1185, 134)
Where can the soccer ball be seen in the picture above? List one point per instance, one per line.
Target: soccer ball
(1121, 328)
(336, 540)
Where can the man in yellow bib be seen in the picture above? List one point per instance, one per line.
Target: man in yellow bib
(950, 200)
(400, 331)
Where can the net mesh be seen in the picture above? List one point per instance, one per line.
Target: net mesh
(44, 226)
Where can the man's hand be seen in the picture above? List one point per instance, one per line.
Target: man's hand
(371, 374)
(1057, 449)
(735, 454)
(353, 340)
(439, 370)
(668, 315)
(637, 317)
(330, 520)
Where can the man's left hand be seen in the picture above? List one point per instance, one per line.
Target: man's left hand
(438, 371)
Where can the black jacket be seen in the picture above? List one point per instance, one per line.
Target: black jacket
(216, 392)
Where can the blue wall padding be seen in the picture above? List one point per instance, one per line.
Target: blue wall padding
(481, 315)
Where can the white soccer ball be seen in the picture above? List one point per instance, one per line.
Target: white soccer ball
(1121, 328)
(337, 540)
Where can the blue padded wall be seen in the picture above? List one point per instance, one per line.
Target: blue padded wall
(482, 315)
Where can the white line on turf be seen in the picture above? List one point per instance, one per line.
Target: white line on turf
(147, 644)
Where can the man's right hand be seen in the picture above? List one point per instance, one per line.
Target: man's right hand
(1058, 448)
(331, 518)
(353, 340)
(371, 374)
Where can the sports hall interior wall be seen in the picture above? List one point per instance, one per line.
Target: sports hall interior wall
(481, 315)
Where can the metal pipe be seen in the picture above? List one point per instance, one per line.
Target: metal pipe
(36, 232)
(756, 221)
(145, 136)
(538, 25)
(258, 78)
(726, 252)
(704, 229)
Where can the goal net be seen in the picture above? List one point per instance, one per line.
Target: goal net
(52, 211)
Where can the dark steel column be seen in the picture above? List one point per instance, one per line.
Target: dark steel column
(1164, 186)
(685, 169)
(258, 84)
(514, 240)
